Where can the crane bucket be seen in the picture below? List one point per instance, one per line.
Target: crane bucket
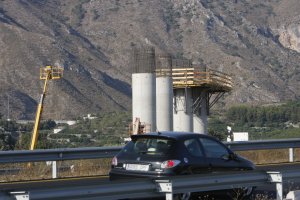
(51, 72)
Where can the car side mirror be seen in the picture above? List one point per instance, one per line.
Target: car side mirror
(233, 156)
(226, 157)
(230, 156)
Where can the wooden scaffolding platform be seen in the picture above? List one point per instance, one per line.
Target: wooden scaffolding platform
(211, 80)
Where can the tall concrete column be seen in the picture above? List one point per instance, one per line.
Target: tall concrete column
(143, 99)
(182, 112)
(200, 112)
(164, 93)
(143, 88)
(164, 104)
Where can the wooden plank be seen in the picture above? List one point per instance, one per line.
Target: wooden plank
(182, 74)
(183, 78)
(182, 69)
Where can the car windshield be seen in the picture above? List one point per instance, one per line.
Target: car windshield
(151, 146)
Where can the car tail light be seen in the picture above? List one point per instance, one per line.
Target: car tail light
(114, 161)
(169, 164)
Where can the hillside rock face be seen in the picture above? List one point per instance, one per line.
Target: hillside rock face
(290, 37)
(286, 24)
(257, 42)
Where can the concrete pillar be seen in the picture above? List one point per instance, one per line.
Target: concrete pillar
(164, 104)
(182, 111)
(200, 111)
(143, 90)
(143, 98)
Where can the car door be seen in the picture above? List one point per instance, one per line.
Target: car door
(219, 157)
(194, 157)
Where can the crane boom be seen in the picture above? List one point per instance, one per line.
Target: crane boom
(47, 73)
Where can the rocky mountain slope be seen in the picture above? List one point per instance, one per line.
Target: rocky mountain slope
(257, 42)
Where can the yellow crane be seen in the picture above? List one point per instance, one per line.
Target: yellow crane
(46, 73)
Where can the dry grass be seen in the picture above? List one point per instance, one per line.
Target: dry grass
(92, 167)
(40, 170)
(270, 156)
(21, 171)
(297, 153)
(266, 156)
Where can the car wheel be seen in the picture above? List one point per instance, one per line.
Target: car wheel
(182, 196)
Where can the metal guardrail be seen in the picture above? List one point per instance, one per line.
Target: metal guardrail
(57, 154)
(109, 152)
(264, 144)
(140, 188)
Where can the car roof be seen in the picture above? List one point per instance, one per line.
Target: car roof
(175, 135)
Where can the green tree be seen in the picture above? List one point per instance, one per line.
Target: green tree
(47, 125)
(220, 135)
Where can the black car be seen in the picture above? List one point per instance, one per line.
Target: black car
(163, 154)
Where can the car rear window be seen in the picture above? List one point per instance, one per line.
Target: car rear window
(151, 146)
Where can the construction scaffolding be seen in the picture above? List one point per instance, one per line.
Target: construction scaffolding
(143, 60)
(173, 94)
(138, 127)
(211, 80)
(163, 65)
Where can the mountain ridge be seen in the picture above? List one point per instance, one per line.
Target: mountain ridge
(92, 40)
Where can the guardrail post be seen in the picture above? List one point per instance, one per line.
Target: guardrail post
(20, 195)
(291, 154)
(165, 186)
(276, 177)
(54, 169)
